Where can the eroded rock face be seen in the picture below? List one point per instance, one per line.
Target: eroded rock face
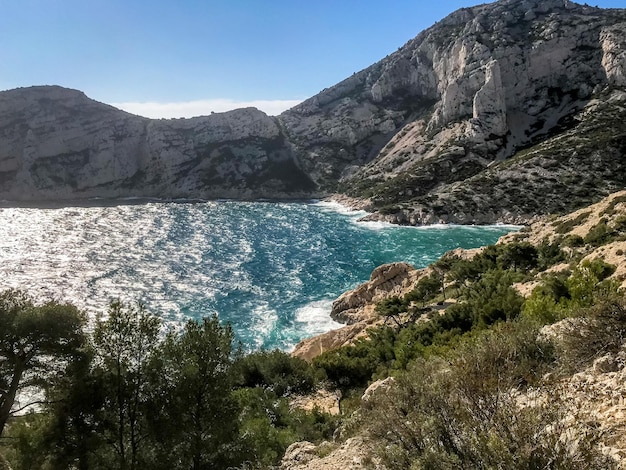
(58, 144)
(411, 132)
(386, 280)
(354, 454)
(613, 40)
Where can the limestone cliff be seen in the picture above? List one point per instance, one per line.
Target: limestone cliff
(56, 143)
(428, 133)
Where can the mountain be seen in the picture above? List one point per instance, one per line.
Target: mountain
(58, 144)
(499, 112)
(486, 116)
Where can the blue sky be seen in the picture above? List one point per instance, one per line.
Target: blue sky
(185, 57)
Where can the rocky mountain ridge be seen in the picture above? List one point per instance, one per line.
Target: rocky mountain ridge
(58, 144)
(492, 114)
(484, 90)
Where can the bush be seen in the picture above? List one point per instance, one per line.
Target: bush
(573, 241)
(599, 234)
(557, 297)
(276, 371)
(268, 425)
(567, 225)
(353, 366)
(426, 289)
(392, 307)
(463, 411)
(492, 298)
(549, 254)
(595, 331)
(584, 285)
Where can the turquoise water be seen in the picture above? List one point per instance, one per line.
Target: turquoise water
(271, 269)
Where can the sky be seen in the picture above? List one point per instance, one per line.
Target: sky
(183, 58)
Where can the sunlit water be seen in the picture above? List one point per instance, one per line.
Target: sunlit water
(270, 269)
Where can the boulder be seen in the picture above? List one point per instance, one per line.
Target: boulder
(386, 280)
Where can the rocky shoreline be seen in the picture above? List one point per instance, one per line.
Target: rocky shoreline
(356, 308)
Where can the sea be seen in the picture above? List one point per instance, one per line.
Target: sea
(270, 269)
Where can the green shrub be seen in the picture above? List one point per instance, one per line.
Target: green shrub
(392, 307)
(619, 223)
(584, 284)
(567, 225)
(594, 331)
(459, 412)
(573, 241)
(426, 289)
(353, 366)
(276, 371)
(557, 296)
(269, 425)
(549, 254)
(599, 234)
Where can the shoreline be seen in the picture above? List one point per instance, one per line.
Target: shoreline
(134, 201)
(348, 203)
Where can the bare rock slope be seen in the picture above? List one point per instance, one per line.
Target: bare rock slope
(428, 133)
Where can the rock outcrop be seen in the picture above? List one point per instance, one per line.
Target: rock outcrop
(310, 348)
(354, 454)
(322, 400)
(389, 279)
(356, 308)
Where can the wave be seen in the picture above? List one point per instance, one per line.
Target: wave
(338, 208)
(271, 270)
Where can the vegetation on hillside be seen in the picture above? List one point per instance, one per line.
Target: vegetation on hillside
(476, 376)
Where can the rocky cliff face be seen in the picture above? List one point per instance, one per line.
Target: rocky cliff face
(58, 144)
(496, 113)
(412, 132)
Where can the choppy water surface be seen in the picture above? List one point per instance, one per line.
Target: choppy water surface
(271, 269)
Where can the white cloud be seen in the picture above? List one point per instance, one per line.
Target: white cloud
(202, 107)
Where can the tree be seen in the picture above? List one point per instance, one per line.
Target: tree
(428, 287)
(73, 436)
(37, 342)
(125, 344)
(392, 307)
(197, 417)
(522, 256)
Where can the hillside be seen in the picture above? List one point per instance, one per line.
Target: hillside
(533, 326)
(473, 121)
(499, 112)
(510, 356)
